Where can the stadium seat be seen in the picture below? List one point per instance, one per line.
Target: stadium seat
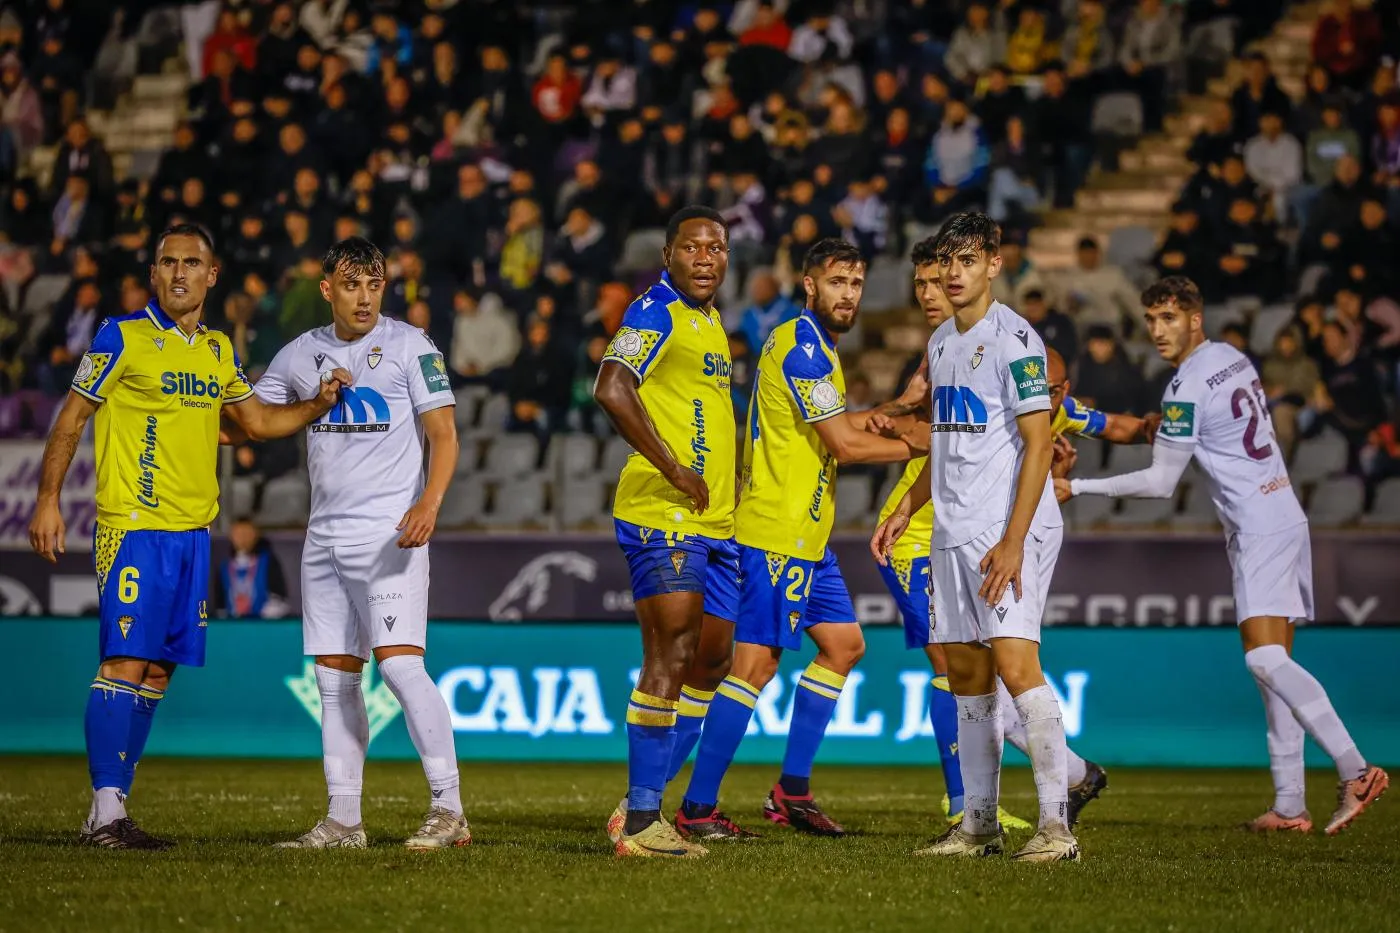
(1319, 457)
(853, 508)
(615, 454)
(641, 251)
(1117, 114)
(286, 501)
(491, 416)
(886, 285)
(464, 503)
(1198, 511)
(1143, 512)
(571, 454)
(1337, 502)
(468, 454)
(517, 503)
(469, 401)
(1267, 324)
(1385, 509)
(1092, 454)
(1131, 247)
(43, 292)
(238, 495)
(511, 456)
(581, 502)
(1087, 511)
(1126, 458)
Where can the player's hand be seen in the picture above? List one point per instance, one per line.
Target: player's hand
(886, 534)
(1065, 457)
(330, 387)
(692, 486)
(882, 425)
(48, 536)
(1002, 568)
(418, 524)
(1150, 424)
(1062, 490)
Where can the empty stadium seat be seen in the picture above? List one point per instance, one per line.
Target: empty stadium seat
(238, 495)
(1198, 511)
(517, 502)
(511, 456)
(1117, 114)
(1131, 247)
(491, 416)
(1267, 324)
(615, 454)
(1127, 458)
(1318, 458)
(1337, 502)
(1143, 512)
(582, 502)
(469, 399)
(886, 284)
(1385, 509)
(572, 454)
(1087, 511)
(641, 251)
(464, 503)
(853, 507)
(286, 501)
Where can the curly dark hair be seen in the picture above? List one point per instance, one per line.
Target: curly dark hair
(970, 231)
(828, 250)
(1174, 289)
(355, 255)
(694, 212)
(925, 251)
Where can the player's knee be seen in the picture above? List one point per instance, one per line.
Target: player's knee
(1263, 662)
(710, 669)
(755, 668)
(156, 678)
(843, 658)
(130, 670)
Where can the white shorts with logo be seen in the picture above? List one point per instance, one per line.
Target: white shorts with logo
(1272, 573)
(960, 616)
(356, 598)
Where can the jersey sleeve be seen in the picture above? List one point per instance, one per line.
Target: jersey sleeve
(1183, 408)
(101, 366)
(236, 387)
(643, 338)
(808, 374)
(428, 384)
(276, 386)
(1024, 386)
(1080, 420)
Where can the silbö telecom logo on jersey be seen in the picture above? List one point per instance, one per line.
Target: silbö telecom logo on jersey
(361, 410)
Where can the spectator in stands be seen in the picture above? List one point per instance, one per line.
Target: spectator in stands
(1250, 264)
(302, 305)
(1107, 379)
(1054, 327)
(1291, 381)
(822, 38)
(1029, 47)
(25, 222)
(1100, 294)
(1217, 140)
(1014, 192)
(1018, 274)
(863, 217)
(1212, 196)
(1151, 45)
(21, 115)
(958, 161)
(1352, 399)
(250, 583)
(1346, 41)
(68, 335)
(230, 37)
(612, 90)
(485, 338)
(998, 101)
(254, 334)
(977, 45)
(522, 255)
(898, 156)
(539, 384)
(58, 75)
(1188, 249)
(1333, 214)
(1385, 151)
(1326, 144)
(1236, 335)
(1060, 120)
(1369, 251)
(1087, 46)
(769, 308)
(1274, 159)
(81, 154)
(767, 27)
(77, 218)
(1257, 95)
(556, 96)
(581, 257)
(584, 414)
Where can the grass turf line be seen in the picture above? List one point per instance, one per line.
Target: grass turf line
(1161, 853)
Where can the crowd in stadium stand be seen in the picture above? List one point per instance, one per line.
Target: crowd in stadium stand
(502, 154)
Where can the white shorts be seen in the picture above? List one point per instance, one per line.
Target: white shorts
(356, 598)
(960, 616)
(1272, 573)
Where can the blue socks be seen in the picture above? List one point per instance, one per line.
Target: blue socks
(943, 713)
(817, 692)
(725, 725)
(142, 715)
(690, 716)
(651, 732)
(108, 726)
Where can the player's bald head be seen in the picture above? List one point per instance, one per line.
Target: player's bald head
(1055, 369)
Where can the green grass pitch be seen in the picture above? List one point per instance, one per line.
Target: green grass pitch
(1160, 849)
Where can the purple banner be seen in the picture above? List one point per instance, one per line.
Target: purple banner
(1119, 580)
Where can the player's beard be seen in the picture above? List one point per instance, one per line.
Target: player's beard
(829, 316)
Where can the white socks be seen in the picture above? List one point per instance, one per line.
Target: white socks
(1285, 753)
(979, 755)
(1272, 667)
(108, 806)
(1076, 768)
(1045, 738)
(429, 724)
(344, 741)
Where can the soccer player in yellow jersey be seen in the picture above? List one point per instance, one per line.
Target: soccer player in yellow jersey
(790, 584)
(157, 381)
(664, 383)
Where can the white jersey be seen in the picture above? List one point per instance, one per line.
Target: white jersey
(1215, 408)
(366, 454)
(982, 381)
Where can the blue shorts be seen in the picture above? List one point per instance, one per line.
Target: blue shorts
(152, 592)
(780, 597)
(662, 562)
(909, 585)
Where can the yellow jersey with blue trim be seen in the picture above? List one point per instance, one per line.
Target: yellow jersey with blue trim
(156, 431)
(1074, 419)
(680, 356)
(786, 499)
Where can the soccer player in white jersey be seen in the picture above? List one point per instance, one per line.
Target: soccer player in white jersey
(988, 475)
(364, 570)
(1215, 410)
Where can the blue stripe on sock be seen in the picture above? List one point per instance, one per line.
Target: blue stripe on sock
(811, 713)
(107, 728)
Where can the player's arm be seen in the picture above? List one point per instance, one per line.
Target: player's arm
(845, 437)
(440, 430)
(1158, 481)
(616, 393)
(47, 532)
(897, 417)
(262, 421)
(892, 529)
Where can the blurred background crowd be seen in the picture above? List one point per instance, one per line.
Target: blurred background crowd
(517, 161)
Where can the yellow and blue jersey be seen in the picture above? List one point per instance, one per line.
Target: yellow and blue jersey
(787, 501)
(156, 432)
(680, 356)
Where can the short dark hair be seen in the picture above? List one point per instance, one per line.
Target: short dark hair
(925, 251)
(830, 250)
(969, 231)
(1174, 289)
(356, 255)
(186, 229)
(694, 212)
